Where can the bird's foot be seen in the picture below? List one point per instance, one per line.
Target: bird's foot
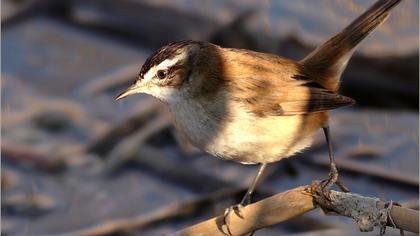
(246, 200)
(332, 179)
(235, 209)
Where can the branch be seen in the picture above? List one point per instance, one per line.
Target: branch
(367, 212)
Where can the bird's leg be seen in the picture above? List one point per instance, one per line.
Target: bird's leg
(333, 175)
(247, 198)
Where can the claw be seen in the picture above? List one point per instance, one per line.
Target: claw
(333, 179)
(342, 186)
(235, 208)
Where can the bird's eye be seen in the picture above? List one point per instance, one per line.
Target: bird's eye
(161, 74)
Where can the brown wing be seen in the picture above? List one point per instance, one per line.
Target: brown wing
(271, 85)
(286, 96)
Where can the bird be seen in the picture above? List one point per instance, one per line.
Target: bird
(253, 107)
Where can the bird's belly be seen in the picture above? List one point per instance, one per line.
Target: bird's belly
(247, 138)
(263, 140)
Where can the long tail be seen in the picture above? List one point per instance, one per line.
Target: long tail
(329, 60)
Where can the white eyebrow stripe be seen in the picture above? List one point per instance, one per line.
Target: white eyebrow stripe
(162, 66)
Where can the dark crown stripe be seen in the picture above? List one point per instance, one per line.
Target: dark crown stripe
(168, 51)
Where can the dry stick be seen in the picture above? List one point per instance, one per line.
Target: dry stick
(269, 211)
(295, 202)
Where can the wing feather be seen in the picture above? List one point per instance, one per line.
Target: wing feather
(267, 84)
(286, 96)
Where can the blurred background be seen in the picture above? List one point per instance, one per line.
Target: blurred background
(76, 162)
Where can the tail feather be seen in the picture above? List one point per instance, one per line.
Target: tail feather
(330, 59)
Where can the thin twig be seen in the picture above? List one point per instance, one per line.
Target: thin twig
(295, 202)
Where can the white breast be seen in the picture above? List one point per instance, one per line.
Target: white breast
(243, 137)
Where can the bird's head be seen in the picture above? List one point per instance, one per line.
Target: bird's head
(166, 72)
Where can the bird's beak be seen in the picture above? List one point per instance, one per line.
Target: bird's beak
(133, 89)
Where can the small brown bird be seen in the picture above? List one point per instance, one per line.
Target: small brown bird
(251, 107)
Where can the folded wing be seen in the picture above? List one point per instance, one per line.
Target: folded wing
(286, 96)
